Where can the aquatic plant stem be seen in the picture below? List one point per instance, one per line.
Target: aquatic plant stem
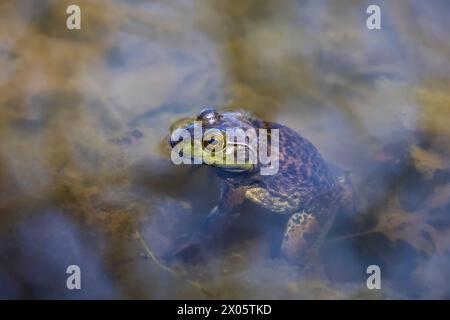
(172, 271)
(350, 236)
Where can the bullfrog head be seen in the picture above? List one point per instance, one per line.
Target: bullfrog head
(227, 140)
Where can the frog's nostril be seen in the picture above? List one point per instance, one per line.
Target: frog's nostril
(171, 142)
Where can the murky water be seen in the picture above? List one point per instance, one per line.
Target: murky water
(83, 166)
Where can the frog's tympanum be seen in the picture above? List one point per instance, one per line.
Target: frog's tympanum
(304, 187)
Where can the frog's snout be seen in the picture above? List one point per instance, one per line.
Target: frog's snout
(182, 124)
(172, 143)
(180, 134)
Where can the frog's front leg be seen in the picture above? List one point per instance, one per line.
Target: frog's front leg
(218, 220)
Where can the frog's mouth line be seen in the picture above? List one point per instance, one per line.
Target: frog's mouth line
(233, 149)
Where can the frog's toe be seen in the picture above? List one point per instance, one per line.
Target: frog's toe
(301, 233)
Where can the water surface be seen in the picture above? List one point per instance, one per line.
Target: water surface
(83, 163)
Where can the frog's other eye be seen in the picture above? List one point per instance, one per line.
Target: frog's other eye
(209, 115)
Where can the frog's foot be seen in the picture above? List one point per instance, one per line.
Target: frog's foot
(302, 232)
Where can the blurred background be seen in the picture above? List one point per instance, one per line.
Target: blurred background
(84, 117)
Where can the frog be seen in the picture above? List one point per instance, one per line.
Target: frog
(306, 189)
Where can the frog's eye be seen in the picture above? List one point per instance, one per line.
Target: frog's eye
(208, 115)
(209, 142)
(213, 139)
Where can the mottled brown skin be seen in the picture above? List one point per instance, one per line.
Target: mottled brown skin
(304, 188)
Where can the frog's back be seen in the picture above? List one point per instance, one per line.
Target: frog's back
(303, 176)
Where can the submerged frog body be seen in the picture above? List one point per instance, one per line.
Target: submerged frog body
(304, 187)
